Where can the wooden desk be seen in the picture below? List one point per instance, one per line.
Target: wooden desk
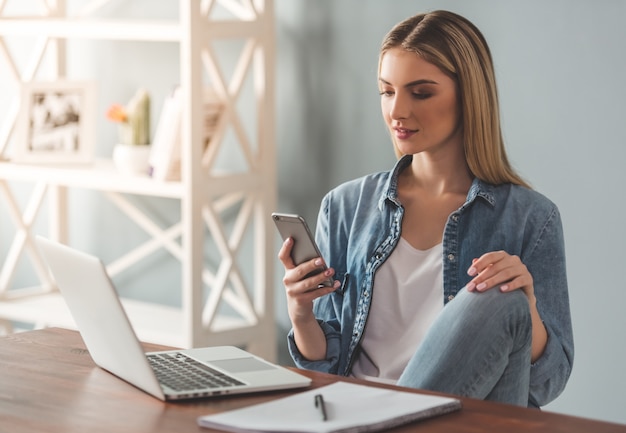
(48, 382)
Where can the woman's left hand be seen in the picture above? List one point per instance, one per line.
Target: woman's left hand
(503, 270)
(500, 269)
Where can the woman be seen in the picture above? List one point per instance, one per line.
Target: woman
(449, 270)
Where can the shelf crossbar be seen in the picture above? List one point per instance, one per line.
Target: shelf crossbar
(23, 239)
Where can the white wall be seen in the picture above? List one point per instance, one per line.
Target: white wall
(560, 65)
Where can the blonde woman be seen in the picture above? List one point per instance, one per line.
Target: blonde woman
(449, 269)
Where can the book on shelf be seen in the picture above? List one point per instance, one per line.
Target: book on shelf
(165, 152)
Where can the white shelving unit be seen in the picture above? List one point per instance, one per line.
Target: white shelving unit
(205, 194)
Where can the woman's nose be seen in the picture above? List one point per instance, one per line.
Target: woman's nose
(400, 107)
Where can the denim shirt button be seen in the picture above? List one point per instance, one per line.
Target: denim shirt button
(450, 297)
(455, 217)
(451, 257)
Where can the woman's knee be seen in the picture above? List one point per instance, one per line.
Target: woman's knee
(492, 306)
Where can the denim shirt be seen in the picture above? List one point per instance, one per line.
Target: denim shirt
(359, 224)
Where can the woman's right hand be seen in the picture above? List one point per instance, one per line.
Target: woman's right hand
(302, 291)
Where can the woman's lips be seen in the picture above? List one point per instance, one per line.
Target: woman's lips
(404, 133)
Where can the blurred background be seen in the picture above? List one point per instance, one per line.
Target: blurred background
(560, 66)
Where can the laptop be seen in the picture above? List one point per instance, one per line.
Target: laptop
(167, 375)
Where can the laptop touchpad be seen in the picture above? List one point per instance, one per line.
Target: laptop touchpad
(242, 365)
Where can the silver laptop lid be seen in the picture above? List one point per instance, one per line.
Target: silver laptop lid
(99, 315)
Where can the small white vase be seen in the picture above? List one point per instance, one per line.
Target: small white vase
(131, 158)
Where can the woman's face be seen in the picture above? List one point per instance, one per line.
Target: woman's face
(419, 103)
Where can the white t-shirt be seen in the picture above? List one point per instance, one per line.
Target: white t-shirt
(406, 298)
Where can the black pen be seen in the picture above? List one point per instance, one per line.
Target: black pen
(319, 404)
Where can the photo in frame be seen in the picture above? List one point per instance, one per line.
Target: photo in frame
(56, 122)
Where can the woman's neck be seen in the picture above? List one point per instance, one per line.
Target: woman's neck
(438, 176)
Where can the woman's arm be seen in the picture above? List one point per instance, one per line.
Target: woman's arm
(301, 292)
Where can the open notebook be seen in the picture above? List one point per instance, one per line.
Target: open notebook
(348, 407)
(113, 345)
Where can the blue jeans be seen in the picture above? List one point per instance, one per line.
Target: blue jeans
(478, 347)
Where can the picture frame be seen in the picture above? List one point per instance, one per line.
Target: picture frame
(56, 122)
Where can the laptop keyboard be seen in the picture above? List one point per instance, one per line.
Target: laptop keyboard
(181, 373)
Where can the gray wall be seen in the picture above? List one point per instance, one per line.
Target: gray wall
(560, 65)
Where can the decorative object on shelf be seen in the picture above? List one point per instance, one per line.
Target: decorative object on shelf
(56, 122)
(131, 159)
(165, 151)
(131, 153)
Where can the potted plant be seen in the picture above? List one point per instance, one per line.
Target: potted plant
(131, 153)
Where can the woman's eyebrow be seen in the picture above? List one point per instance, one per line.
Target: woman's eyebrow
(410, 84)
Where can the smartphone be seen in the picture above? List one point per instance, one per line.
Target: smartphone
(304, 246)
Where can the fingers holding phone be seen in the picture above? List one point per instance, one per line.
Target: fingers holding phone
(303, 284)
(313, 274)
(305, 269)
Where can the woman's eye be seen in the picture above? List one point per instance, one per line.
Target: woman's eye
(385, 92)
(422, 95)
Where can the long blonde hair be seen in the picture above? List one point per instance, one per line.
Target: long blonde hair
(458, 48)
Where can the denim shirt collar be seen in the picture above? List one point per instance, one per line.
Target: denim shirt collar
(477, 189)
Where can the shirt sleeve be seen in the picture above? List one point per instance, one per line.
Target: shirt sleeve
(546, 263)
(333, 349)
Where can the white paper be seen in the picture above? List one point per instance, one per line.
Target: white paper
(350, 408)
(165, 148)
